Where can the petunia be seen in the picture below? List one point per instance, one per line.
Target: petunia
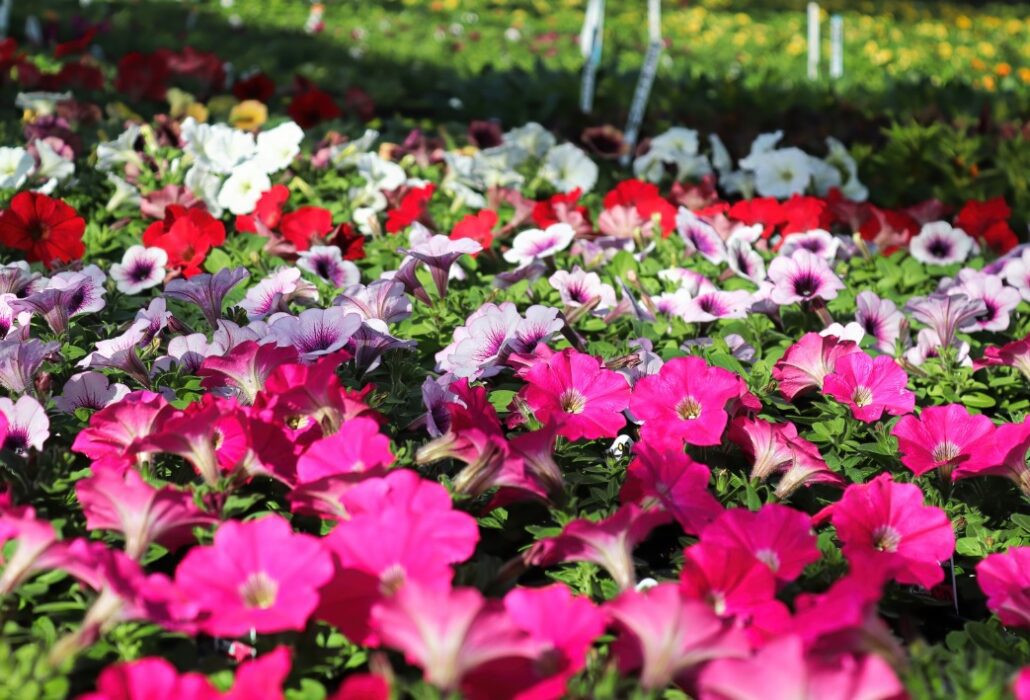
(777, 536)
(945, 438)
(817, 241)
(685, 401)
(780, 172)
(870, 386)
(16, 164)
(207, 292)
(140, 269)
(766, 444)
(665, 635)
(1005, 579)
(938, 243)
(577, 392)
(186, 235)
(1005, 456)
(277, 147)
(89, 390)
(27, 424)
(315, 332)
(672, 480)
(244, 368)
(730, 581)
(998, 300)
(439, 253)
(47, 229)
(257, 575)
(715, 305)
(275, 292)
(567, 168)
(802, 277)
(1017, 273)
(114, 430)
(807, 467)
(880, 319)
(21, 360)
(150, 678)
(534, 243)
(699, 236)
(578, 288)
(885, 524)
(327, 262)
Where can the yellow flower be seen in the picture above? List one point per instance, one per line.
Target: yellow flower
(963, 22)
(197, 110)
(248, 115)
(988, 83)
(1024, 75)
(977, 64)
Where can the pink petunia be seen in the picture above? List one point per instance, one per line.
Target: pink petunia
(944, 437)
(577, 392)
(785, 670)
(685, 401)
(766, 444)
(665, 635)
(1005, 579)
(870, 386)
(357, 447)
(730, 581)
(885, 524)
(777, 536)
(150, 679)
(804, 366)
(256, 575)
(1006, 457)
(674, 481)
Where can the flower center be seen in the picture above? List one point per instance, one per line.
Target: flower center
(945, 452)
(806, 284)
(886, 538)
(142, 271)
(391, 580)
(863, 396)
(769, 558)
(689, 408)
(572, 401)
(939, 248)
(259, 591)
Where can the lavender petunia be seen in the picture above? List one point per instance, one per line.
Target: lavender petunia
(187, 352)
(816, 241)
(802, 277)
(998, 299)
(880, 319)
(699, 236)
(315, 332)
(140, 269)
(20, 360)
(714, 305)
(91, 390)
(370, 341)
(938, 243)
(207, 291)
(27, 424)
(383, 299)
(438, 254)
(275, 292)
(327, 262)
(946, 314)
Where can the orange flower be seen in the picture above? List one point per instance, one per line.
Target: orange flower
(1003, 69)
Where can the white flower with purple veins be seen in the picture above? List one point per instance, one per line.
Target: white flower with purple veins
(141, 268)
(744, 260)
(479, 348)
(691, 281)
(817, 241)
(89, 297)
(781, 173)
(384, 300)
(27, 424)
(853, 332)
(578, 288)
(326, 261)
(90, 390)
(672, 303)
(20, 361)
(439, 253)
(946, 314)
(539, 325)
(802, 277)
(716, 304)
(275, 292)
(700, 236)
(534, 243)
(928, 345)
(16, 276)
(938, 243)
(998, 299)
(10, 320)
(187, 352)
(879, 318)
(567, 168)
(1017, 273)
(315, 332)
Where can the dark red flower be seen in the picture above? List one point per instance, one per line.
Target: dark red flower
(268, 211)
(79, 75)
(79, 45)
(604, 141)
(311, 107)
(301, 226)
(142, 75)
(47, 229)
(256, 86)
(485, 134)
(349, 241)
(359, 103)
(479, 227)
(412, 208)
(186, 235)
(988, 222)
(805, 214)
(202, 66)
(766, 211)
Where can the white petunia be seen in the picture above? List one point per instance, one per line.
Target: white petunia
(121, 150)
(781, 173)
(277, 147)
(124, 193)
(41, 103)
(243, 188)
(938, 243)
(532, 138)
(568, 167)
(380, 174)
(205, 185)
(15, 166)
(345, 155)
(217, 147)
(535, 243)
(52, 165)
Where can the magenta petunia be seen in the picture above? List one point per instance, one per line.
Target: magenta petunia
(685, 401)
(870, 386)
(944, 437)
(885, 524)
(150, 679)
(258, 575)
(1006, 457)
(1005, 579)
(674, 481)
(778, 536)
(803, 368)
(579, 394)
(730, 581)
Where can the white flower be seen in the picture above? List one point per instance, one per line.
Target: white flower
(532, 138)
(364, 218)
(205, 184)
(853, 331)
(141, 268)
(243, 188)
(720, 155)
(676, 140)
(52, 166)
(824, 176)
(535, 243)
(763, 143)
(345, 155)
(842, 160)
(119, 151)
(781, 173)
(568, 167)
(817, 241)
(217, 147)
(677, 146)
(380, 174)
(15, 166)
(578, 287)
(940, 244)
(277, 147)
(124, 193)
(40, 103)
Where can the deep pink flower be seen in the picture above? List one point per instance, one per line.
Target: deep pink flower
(38, 549)
(665, 634)
(150, 679)
(357, 447)
(1021, 685)
(765, 443)
(944, 437)
(885, 524)
(674, 481)
(778, 536)
(870, 386)
(245, 368)
(577, 392)
(806, 467)
(114, 430)
(363, 686)
(686, 400)
(784, 670)
(1005, 579)
(608, 543)
(261, 678)
(398, 529)
(141, 513)
(807, 362)
(730, 581)
(451, 633)
(1005, 458)
(257, 575)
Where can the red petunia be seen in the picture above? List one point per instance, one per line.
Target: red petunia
(311, 107)
(412, 208)
(301, 226)
(254, 87)
(351, 242)
(186, 235)
(142, 75)
(479, 227)
(75, 46)
(805, 214)
(47, 229)
(766, 211)
(988, 222)
(628, 192)
(268, 210)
